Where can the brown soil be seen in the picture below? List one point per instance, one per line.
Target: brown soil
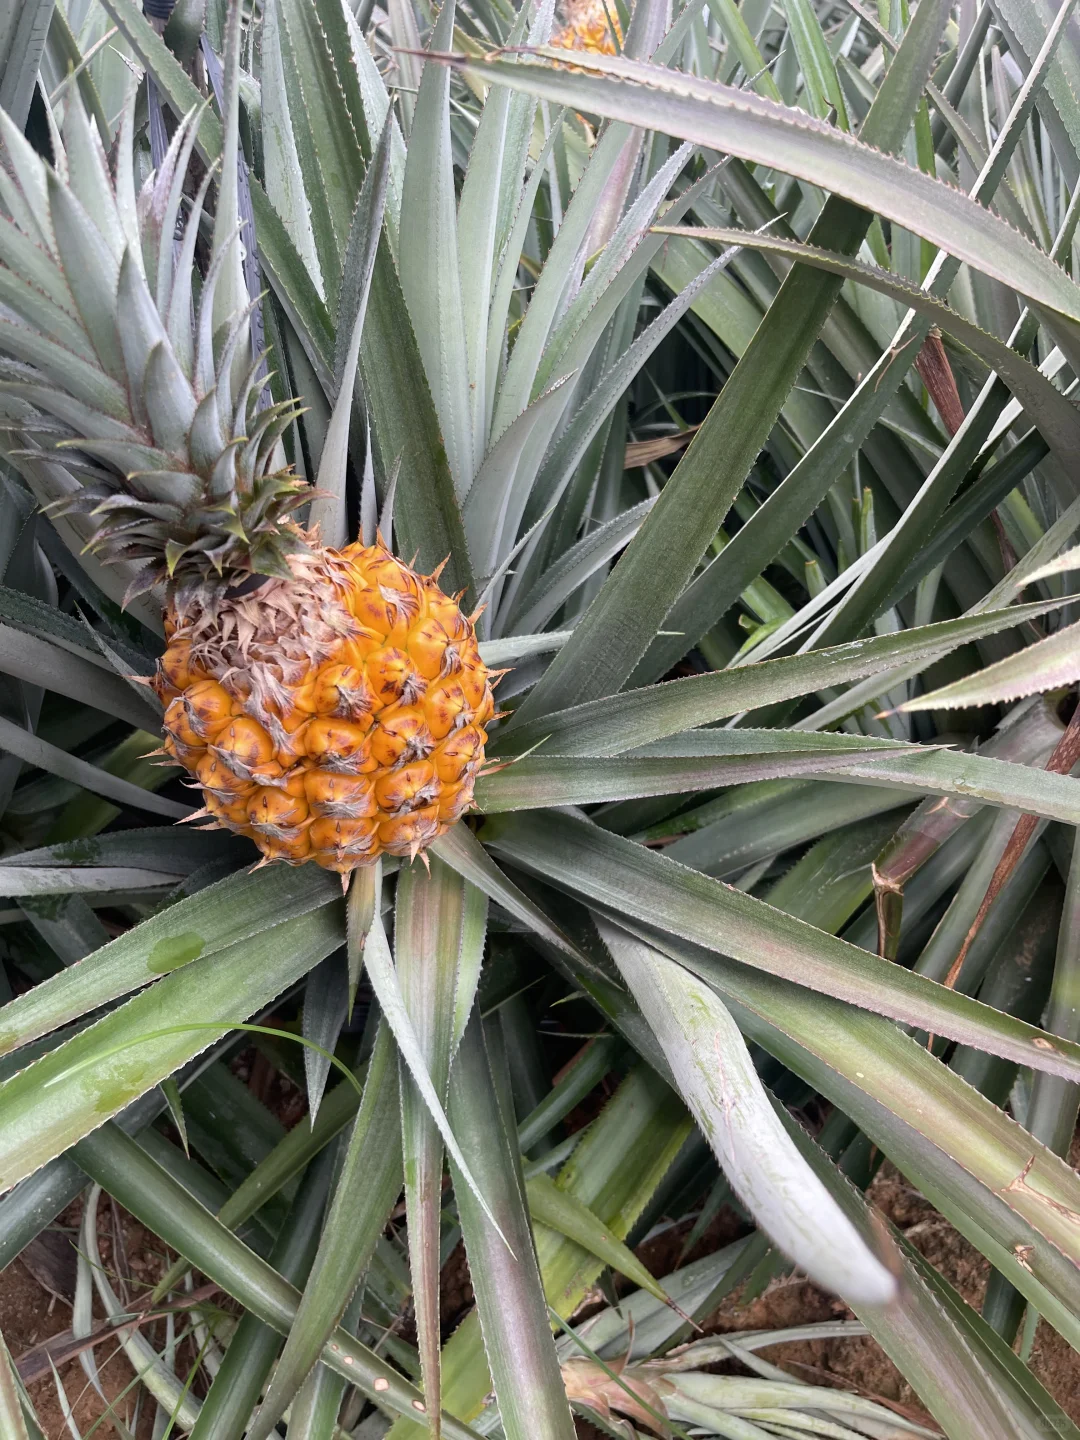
(35, 1305)
(861, 1364)
(30, 1314)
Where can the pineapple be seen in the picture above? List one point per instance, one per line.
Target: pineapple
(331, 715)
(330, 704)
(591, 25)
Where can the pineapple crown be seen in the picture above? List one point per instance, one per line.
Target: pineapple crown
(132, 407)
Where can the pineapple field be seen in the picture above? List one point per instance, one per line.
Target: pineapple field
(539, 662)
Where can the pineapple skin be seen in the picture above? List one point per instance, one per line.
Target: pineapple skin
(588, 28)
(333, 717)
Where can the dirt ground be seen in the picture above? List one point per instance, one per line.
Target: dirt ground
(860, 1364)
(36, 1306)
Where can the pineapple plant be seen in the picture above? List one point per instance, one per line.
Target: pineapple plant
(336, 376)
(330, 704)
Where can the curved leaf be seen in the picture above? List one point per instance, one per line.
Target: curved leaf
(73, 1089)
(1049, 664)
(636, 882)
(739, 123)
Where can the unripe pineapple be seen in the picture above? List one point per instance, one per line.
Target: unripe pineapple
(331, 705)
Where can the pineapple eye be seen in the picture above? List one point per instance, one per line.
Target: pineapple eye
(220, 779)
(231, 813)
(409, 789)
(446, 708)
(209, 708)
(440, 607)
(393, 677)
(178, 727)
(408, 834)
(175, 670)
(427, 646)
(271, 810)
(186, 755)
(460, 755)
(343, 844)
(485, 711)
(454, 801)
(294, 849)
(384, 596)
(473, 673)
(360, 644)
(340, 797)
(401, 737)
(242, 745)
(340, 745)
(344, 691)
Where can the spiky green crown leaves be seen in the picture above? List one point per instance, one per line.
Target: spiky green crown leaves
(122, 405)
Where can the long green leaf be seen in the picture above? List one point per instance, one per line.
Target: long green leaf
(35, 751)
(1047, 665)
(489, 195)
(24, 35)
(12, 1419)
(382, 973)
(224, 916)
(254, 1345)
(73, 1089)
(616, 724)
(614, 1171)
(542, 782)
(517, 385)
(164, 1207)
(561, 1211)
(616, 630)
(634, 881)
(328, 509)
(41, 663)
(509, 1296)
(1056, 417)
(1027, 23)
(438, 943)
(428, 262)
(462, 851)
(365, 1193)
(736, 122)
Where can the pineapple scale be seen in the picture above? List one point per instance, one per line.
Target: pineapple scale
(334, 716)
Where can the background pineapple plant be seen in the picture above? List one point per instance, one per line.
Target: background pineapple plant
(747, 440)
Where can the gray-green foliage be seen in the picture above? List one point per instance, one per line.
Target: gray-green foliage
(755, 432)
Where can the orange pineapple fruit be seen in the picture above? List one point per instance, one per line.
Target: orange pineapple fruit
(333, 716)
(591, 25)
